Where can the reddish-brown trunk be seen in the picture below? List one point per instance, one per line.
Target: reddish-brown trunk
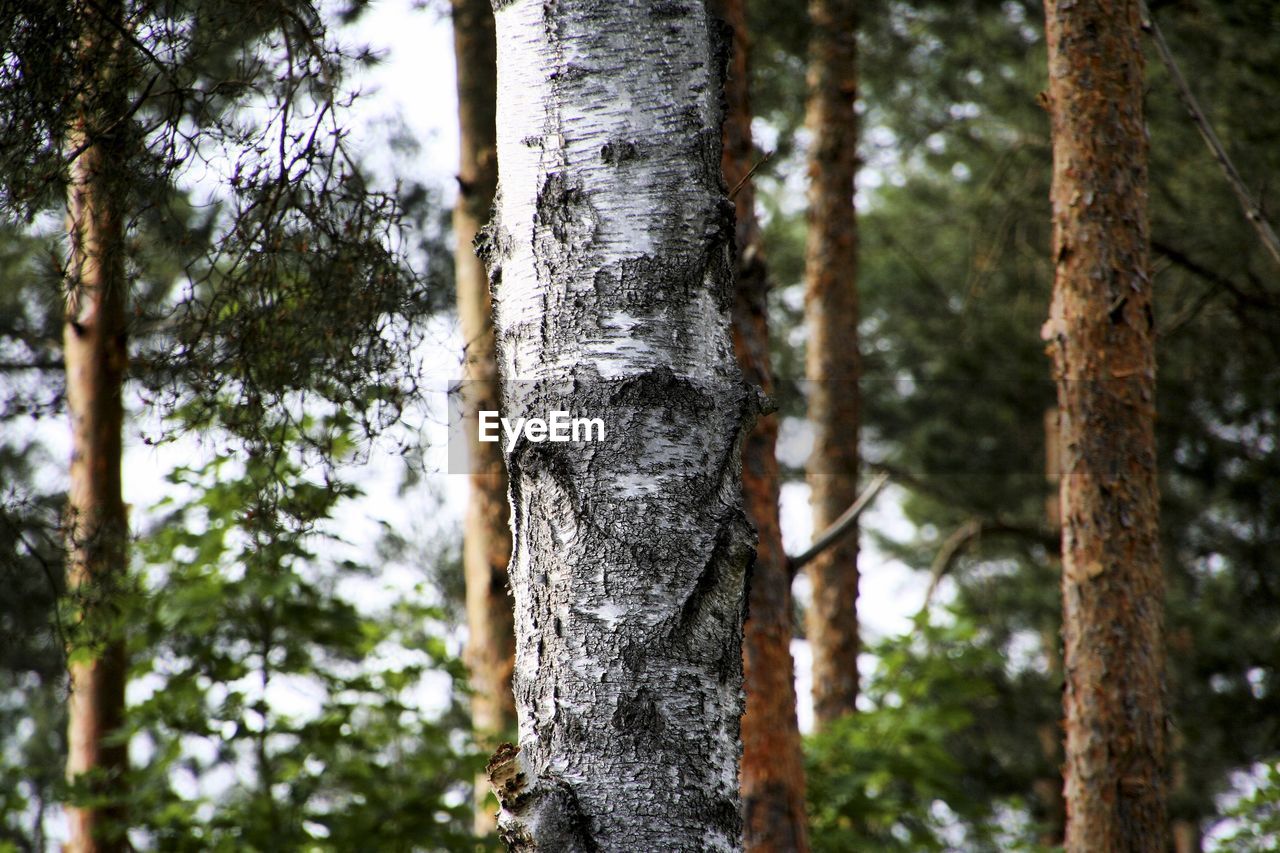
(772, 774)
(490, 651)
(833, 364)
(1186, 837)
(1051, 811)
(95, 353)
(1101, 335)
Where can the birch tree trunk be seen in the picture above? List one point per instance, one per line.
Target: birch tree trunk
(833, 364)
(95, 354)
(772, 778)
(1102, 339)
(486, 547)
(610, 263)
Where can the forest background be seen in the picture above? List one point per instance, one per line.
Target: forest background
(299, 685)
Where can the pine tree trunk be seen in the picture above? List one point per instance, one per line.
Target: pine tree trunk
(1101, 335)
(1051, 809)
(772, 778)
(1187, 837)
(95, 353)
(833, 365)
(486, 546)
(610, 257)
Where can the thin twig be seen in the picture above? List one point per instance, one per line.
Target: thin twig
(841, 526)
(969, 532)
(15, 366)
(947, 554)
(1252, 209)
(750, 172)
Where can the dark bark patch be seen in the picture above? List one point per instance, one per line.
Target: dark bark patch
(619, 151)
(1116, 314)
(668, 9)
(640, 718)
(570, 73)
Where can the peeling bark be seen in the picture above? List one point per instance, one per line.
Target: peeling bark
(609, 258)
(96, 357)
(772, 778)
(1101, 337)
(486, 548)
(833, 363)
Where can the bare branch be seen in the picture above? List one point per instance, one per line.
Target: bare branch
(17, 366)
(750, 172)
(968, 533)
(841, 526)
(947, 554)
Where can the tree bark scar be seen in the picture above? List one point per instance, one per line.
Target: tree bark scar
(555, 820)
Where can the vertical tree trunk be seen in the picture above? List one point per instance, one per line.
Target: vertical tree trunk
(95, 353)
(1187, 837)
(610, 261)
(833, 365)
(1047, 790)
(772, 779)
(1101, 335)
(486, 547)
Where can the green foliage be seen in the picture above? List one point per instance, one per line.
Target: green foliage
(274, 305)
(896, 775)
(32, 672)
(280, 715)
(1255, 819)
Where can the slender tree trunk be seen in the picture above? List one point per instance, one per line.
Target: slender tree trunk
(1187, 837)
(833, 365)
(772, 779)
(95, 353)
(486, 546)
(1048, 789)
(1184, 829)
(610, 257)
(1101, 335)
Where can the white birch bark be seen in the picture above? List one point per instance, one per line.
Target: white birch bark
(609, 259)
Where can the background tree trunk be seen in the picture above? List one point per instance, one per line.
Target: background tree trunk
(1101, 337)
(96, 356)
(1047, 789)
(772, 779)
(610, 258)
(486, 548)
(833, 364)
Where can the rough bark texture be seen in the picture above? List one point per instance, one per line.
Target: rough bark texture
(772, 777)
(1101, 337)
(833, 363)
(610, 263)
(486, 548)
(95, 352)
